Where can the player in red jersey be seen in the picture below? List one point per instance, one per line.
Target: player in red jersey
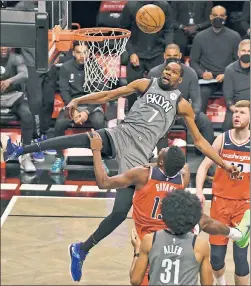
(231, 196)
(151, 184)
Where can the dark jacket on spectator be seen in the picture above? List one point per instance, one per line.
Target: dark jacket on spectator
(200, 9)
(13, 68)
(213, 52)
(146, 46)
(245, 18)
(236, 85)
(189, 87)
(71, 81)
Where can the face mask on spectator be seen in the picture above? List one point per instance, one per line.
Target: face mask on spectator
(245, 58)
(169, 60)
(218, 22)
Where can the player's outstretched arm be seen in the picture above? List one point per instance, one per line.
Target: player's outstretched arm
(140, 262)
(202, 253)
(101, 97)
(203, 168)
(137, 176)
(186, 111)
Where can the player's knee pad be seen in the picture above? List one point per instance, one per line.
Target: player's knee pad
(218, 253)
(240, 260)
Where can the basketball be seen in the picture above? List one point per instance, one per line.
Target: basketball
(150, 19)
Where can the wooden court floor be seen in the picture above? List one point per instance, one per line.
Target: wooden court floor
(36, 232)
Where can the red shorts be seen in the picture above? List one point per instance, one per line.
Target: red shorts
(229, 212)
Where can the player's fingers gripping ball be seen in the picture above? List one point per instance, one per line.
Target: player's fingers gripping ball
(95, 140)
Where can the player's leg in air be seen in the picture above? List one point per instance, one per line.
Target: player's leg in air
(123, 199)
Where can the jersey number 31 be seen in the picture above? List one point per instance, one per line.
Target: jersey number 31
(172, 268)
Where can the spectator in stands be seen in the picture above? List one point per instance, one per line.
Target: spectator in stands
(145, 50)
(71, 81)
(189, 17)
(190, 89)
(13, 73)
(236, 84)
(40, 90)
(245, 19)
(213, 49)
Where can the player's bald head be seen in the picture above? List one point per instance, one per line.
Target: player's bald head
(218, 10)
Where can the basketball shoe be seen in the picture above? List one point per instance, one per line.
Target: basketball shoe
(244, 228)
(77, 256)
(10, 150)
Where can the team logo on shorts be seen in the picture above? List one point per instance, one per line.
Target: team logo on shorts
(173, 96)
(2, 70)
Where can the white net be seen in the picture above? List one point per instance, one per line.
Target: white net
(102, 66)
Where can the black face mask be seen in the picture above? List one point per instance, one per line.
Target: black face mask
(171, 60)
(218, 22)
(245, 58)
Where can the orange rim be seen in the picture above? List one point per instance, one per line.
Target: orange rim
(88, 34)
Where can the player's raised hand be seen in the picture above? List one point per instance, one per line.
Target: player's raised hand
(70, 109)
(135, 239)
(95, 141)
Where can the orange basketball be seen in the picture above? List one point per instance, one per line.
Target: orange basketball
(150, 19)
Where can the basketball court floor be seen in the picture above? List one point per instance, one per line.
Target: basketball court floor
(36, 232)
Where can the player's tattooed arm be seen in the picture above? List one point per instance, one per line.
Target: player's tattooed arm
(186, 111)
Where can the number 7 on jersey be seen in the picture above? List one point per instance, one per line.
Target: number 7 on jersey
(155, 113)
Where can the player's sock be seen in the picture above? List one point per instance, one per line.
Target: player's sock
(234, 234)
(221, 280)
(88, 244)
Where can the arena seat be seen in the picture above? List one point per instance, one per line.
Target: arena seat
(216, 110)
(8, 119)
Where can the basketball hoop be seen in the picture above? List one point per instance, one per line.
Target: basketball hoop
(105, 46)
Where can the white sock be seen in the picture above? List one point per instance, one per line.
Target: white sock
(234, 234)
(221, 280)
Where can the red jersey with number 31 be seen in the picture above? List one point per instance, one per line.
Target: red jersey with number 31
(226, 186)
(147, 201)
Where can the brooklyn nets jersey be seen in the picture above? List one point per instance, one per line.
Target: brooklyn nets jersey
(172, 260)
(149, 119)
(153, 113)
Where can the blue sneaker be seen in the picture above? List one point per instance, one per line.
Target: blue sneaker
(58, 166)
(48, 152)
(38, 156)
(77, 258)
(10, 150)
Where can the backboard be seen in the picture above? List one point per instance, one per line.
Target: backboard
(28, 27)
